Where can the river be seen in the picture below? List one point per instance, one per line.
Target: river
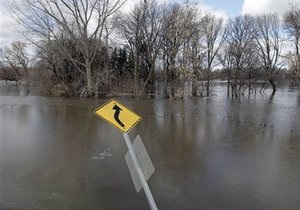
(210, 153)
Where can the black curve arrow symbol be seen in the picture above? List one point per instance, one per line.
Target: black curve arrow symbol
(116, 115)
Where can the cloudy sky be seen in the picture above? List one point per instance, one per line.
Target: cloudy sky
(224, 8)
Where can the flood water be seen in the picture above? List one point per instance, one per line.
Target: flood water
(211, 153)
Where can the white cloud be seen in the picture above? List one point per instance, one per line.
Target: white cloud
(129, 4)
(217, 12)
(255, 7)
(8, 27)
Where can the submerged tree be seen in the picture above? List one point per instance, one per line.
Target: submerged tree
(238, 54)
(129, 26)
(178, 29)
(141, 29)
(269, 45)
(81, 21)
(151, 42)
(292, 27)
(15, 59)
(213, 38)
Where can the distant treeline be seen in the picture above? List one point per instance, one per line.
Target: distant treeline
(90, 48)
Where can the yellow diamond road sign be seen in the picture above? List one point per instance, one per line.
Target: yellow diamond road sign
(118, 115)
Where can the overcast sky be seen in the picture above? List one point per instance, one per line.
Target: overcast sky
(223, 8)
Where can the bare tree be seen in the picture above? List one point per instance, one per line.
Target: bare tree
(58, 64)
(130, 29)
(3, 67)
(292, 27)
(22, 59)
(178, 29)
(227, 60)
(213, 38)
(196, 58)
(9, 63)
(82, 21)
(239, 50)
(269, 44)
(151, 40)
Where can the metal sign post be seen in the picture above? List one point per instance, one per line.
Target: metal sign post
(124, 119)
(140, 172)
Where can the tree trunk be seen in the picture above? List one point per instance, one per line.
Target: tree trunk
(135, 72)
(273, 85)
(172, 77)
(236, 93)
(88, 70)
(228, 87)
(165, 83)
(27, 80)
(194, 88)
(17, 77)
(208, 84)
(149, 80)
(249, 86)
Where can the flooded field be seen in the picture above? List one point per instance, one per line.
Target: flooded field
(211, 153)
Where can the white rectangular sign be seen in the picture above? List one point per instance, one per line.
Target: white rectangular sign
(144, 161)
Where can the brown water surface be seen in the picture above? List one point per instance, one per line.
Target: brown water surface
(213, 153)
